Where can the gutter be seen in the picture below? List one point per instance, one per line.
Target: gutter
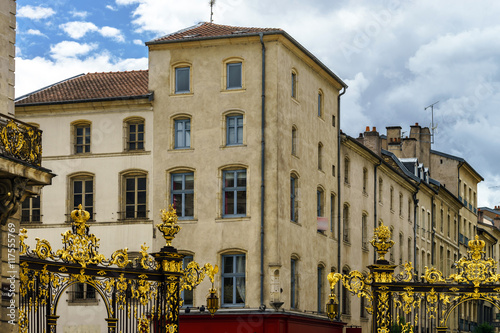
(375, 168)
(149, 96)
(339, 257)
(262, 169)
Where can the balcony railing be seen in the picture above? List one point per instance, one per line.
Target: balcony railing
(20, 141)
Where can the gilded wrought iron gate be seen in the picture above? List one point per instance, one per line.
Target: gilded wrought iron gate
(141, 296)
(420, 303)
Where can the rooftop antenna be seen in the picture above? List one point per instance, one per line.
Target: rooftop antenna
(212, 4)
(432, 120)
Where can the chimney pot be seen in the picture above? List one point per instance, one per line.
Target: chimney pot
(367, 129)
(374, 129)
(416, 124)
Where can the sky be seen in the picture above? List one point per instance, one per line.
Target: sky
(396, 56)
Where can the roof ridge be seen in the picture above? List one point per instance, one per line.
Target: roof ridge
(199, 24)
(20, 98)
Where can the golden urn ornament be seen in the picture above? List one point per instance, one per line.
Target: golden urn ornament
(169, 228)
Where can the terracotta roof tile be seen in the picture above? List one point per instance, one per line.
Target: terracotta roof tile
(91, 86)
(206, 30)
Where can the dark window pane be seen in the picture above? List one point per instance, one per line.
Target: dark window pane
(141, 183)
(130, 184)
(88, 186)
(130, 198)
(189, 205)
(177, 182)
(241, 207)
(242, 179)
(189, 182)
(141, 197)
(233, 76)
(228, 265)
(77, 187)
(229, 203)
(228, 290)
(229, 179)
(182, 79)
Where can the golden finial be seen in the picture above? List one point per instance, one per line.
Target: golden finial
(80, 217)
(169, 228)
(476, 248)
(382, 241)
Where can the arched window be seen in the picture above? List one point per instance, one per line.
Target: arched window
(294, 195)
(233, 277)
(234, 125)
(294, 283)
(365, 180)
(294, 141)
(391, 199)
(320, 156)
(82, 192)
(294, 83)
(134, 194)
(181, 74)
(134, 133)
(346, 296)
(380, 191)
(320, 287)
(234, 193)
(346, 222)
(320, 103)
(81, 136)
(182, 131)
(233, 74)
(364, 231)
(320, 201)
(182, 193)
(346, 169)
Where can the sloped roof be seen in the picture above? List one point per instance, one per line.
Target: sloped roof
(210, 30)
(91, 86)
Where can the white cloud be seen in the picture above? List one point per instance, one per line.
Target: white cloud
(111, 8)
(35, 12)
(127, 2)
(35, 32)
(78, 29)
(77, 14)
(138, 42)
(112, 33)
(70, 49)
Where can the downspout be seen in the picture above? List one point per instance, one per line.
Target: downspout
(415, 209)
(375, 182)
(433, 228)
(262, 169)
(339, 201)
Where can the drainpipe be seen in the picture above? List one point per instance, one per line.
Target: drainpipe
(415, 209)
(433, 228)
(375, 182)
(339, 201)
(262, 169)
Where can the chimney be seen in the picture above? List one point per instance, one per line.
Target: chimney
(372, 140)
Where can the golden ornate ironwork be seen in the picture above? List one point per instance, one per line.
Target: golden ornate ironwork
(169, 227)
(20, 140)
(382, 241)
(154, 285)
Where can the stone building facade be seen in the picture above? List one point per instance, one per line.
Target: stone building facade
(241, 133)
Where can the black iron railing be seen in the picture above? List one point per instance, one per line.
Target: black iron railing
(20, 141)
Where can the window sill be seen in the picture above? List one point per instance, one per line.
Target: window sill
(233, 146)
(296, 223)
(181, 150)
(296, 156)
(187, 221)
(348, 243)
(84, 302)
(233, 219)
(235, 90)
(181, 94)
(295, 100)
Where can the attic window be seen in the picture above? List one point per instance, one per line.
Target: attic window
(191, 36)
(239, 32)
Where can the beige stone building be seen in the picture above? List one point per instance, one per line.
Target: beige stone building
(240, 131)
(21, 174)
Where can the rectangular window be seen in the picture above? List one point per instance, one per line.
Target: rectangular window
(320, 289)
(233, 280)
(182, 78)
(320, 203)
(83, 193)
(135, 136)
(233, 76)
(30, 211)
(182, 133)
(83, 292)
(182, 195)
(186, 294)
(135, 197)
(82, 139)
(234, 127)
(294, 213)
(234, 198)
(364, 232)
(294, 304)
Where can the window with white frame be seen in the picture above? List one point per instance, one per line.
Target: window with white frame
(234, 130)
(81, 138)
(135, 193)
(182, 194)
(234, 75)
(182, 136)
(135, 134)
(233, 280)
(234, 193)
(30, 210)
(82, 193)
(294, 191)
(183, 80)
